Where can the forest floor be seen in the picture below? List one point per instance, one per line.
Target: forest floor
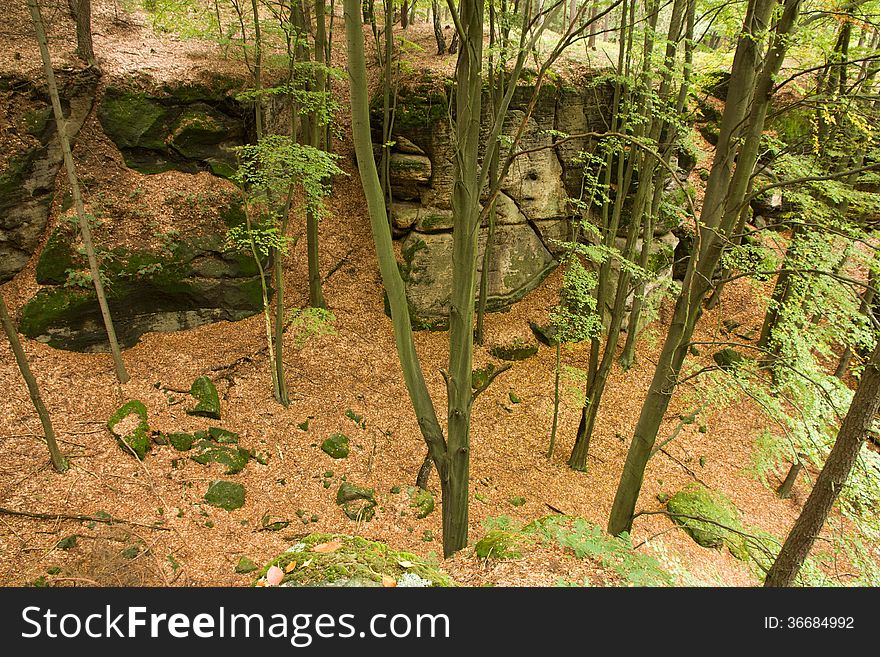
(354, 368)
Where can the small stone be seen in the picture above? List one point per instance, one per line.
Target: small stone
(67, 542)
(205, 392)
(130, 428)
(223, 436)
(235, 459)
(336, 446)
(225, 495)
(514, 398)
(245, 566)
(728, 359)
(180, 441)
(357, 503)
(517, 501)
(544, 333)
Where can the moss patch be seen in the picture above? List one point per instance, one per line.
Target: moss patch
(498, 544)
(205, 392)
(519, 349)
(130, 428)
(234, 459)
(421, 501)
(355, 562)
(697, 501)
(336, 446)
(225, 495)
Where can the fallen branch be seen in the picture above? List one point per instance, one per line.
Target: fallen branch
(110, 520)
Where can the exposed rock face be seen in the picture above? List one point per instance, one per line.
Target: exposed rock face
(27, 175)
(532, 209)
(188, 127)
(188, 283)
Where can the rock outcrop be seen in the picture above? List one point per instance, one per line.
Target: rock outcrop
(29, 166)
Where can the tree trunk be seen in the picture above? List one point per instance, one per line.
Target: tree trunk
(784, 490)
(391, 279)
(466, 218)
(748, 99)
(81, 10)
(438, 27)
(853, 432)
(85, 230)
(58, 461)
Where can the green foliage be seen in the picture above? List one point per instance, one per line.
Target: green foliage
(308, 322)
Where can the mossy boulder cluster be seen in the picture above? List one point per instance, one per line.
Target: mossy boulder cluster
(341, 560)
(182, 285)
(191, 127)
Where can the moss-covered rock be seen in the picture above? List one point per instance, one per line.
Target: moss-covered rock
(57, 256)
(519, 349)
(234, 458)
(205, 392)
(709, 517)
(498, 544)
(728, 359)
(225, 495)
(421, 500)
(544, 333)
(130, 428)
(336, 446)
(245, 566)
(181, 441)
(223, 436)
(357, 503)
(340, 560)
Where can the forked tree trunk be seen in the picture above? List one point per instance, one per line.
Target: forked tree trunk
(85, 230)
(853, 432)
(58, 461)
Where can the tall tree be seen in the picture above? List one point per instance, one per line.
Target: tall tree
(853, 432)
(58, 461)
(85, 230)
(742, 123)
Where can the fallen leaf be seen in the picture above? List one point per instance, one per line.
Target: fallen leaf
(388, 581)
(290, 567)
(308, 563)
(274, 576)
(405, 564)
(326, 548)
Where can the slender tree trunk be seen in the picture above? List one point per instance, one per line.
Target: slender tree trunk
(58, 461)
(466, 218)
(853, 432)
(438, 27)
(784, 490)
(748, 99)
(85, 230)
(553, 429)
(82, 16)
(391, 279)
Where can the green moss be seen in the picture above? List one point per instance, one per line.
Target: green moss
(498, 544)
(133, 120)
(181, 441)
(136, 440)
(225, 495)
(336, 446)
(356, 562)
(357, 503)
(728, 359)
(57, 257)
(421, 500)
(205, 392)
(234, 458)
(245, 566)
(718, 514)
(517, 350)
